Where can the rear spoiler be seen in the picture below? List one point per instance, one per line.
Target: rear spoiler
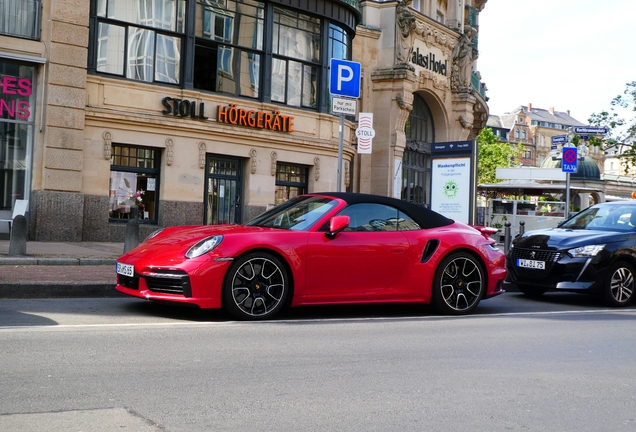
(485, 231)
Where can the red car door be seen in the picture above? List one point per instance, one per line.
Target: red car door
(361, 263)
(354, 265)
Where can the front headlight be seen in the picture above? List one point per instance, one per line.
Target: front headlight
(204, 246)
(586, 251)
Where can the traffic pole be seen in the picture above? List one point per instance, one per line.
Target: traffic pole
(340, 145)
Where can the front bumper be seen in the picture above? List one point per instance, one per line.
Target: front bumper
(562, 272)
(195, 282)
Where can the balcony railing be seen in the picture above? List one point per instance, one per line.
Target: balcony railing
(20, 18)
(479, 88)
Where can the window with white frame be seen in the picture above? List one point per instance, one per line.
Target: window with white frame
(20, 18)
(141, 39)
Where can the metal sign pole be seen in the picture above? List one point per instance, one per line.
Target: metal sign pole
(340, 144)
(567, 195)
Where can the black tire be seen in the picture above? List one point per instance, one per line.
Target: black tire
(530, 291)
(459, 284)
(256, 287)
(619, 287)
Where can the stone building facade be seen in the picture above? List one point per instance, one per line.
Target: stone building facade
(191, 112)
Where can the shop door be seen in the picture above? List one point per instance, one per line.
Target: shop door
(223, 190)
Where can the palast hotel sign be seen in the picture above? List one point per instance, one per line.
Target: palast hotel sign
(431, 59)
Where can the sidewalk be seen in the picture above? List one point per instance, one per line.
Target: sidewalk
(55, 269)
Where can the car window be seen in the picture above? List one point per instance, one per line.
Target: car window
(377, 217)
(609, 217)
(298, 214)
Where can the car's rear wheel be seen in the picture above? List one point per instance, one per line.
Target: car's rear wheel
(619, 288)
(256, 287)
(531, 291)
(459, 284)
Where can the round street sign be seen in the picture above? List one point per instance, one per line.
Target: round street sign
(569, 155)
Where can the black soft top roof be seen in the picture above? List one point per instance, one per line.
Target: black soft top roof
(424, 217)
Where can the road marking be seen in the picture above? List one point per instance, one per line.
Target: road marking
(309, 321)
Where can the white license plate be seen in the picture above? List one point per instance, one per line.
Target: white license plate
(125, 269)
(540, 265)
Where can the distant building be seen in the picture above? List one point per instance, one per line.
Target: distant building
(494, 123)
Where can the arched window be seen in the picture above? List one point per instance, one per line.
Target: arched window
(416, 162)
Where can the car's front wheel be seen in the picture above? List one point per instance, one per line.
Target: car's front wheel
(256, 287)
(619, 287)
(459, 285)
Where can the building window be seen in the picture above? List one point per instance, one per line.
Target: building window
(517, 133)
(246, 48)
(527, 153)
(291, 181)
(296, 49)
(140, 39)
(524, 134)
(134, 182)
(229, 47)
(20, 18)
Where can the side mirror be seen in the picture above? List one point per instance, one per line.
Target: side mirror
(337, 224)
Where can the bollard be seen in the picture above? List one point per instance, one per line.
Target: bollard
(507, 237)
(131, 238)
(18, 239)
(522, 228)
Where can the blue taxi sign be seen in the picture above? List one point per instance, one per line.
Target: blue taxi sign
(569, 163)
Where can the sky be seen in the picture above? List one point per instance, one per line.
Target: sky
(573, 55)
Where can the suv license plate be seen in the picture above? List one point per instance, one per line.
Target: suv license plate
(125, 269)
(539, 265)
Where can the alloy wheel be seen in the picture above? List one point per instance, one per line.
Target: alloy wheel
(258, 287)
(461, 283)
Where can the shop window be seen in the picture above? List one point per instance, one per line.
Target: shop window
(291, 181)
(17, 115)
(140, 39)
(20, 18)
(134, 182)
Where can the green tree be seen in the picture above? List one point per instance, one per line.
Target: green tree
(493, 154)
(620, 119)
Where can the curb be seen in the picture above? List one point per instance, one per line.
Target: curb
(56, 261)
(48, 290)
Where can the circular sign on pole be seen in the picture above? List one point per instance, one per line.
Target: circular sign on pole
(569, 155)
(365, 132)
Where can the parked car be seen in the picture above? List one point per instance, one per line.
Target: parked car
(593, 251)
(317, 249)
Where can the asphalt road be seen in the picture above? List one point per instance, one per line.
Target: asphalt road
(565, 363)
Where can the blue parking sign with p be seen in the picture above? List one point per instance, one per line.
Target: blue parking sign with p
(345, 78)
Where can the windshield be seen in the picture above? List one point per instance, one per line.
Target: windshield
(298, 214)
(618, 217)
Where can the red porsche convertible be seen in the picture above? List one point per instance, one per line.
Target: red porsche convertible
(318, 249)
